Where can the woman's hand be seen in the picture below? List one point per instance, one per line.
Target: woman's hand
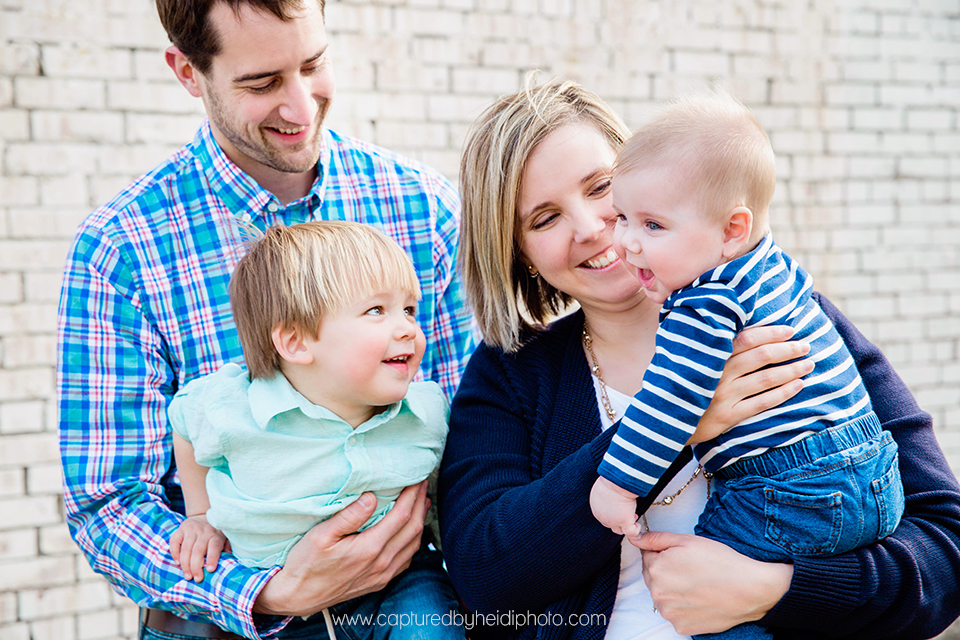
(703, 586)
(746, 388)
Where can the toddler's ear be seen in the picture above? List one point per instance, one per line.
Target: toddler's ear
(290, 344)
(736, 232)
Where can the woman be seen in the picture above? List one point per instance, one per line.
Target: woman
(529, 425)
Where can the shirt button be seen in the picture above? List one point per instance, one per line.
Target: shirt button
(272, 207)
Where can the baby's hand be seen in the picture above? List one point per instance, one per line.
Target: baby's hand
(196, 540)
(614, 507)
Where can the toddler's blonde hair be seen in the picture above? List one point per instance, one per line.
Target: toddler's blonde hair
(292, 277)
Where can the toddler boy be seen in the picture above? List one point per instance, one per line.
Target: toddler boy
(324, 412)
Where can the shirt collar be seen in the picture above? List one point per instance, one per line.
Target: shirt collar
(269, 397)
(240, 193)
(729, 269)
(725, 272)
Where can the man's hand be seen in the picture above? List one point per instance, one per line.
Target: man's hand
(330, 564)
(614, 507)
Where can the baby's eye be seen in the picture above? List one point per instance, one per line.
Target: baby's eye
(621, 218)
(653, 226)
(410, 311)
(374, 311)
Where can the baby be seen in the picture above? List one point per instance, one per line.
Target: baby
(816, 475)
(325, 411)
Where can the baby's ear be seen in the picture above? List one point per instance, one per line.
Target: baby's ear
(289, 343)
(736, 232)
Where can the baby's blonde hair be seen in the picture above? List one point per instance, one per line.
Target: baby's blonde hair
(293, 277)
(719, 143)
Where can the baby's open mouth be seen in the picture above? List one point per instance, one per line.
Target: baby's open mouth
(646, 277)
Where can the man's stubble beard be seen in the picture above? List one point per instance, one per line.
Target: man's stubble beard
(265, 153)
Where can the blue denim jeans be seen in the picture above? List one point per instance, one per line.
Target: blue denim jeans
(419, 604)
(833, 491)
(416, 605)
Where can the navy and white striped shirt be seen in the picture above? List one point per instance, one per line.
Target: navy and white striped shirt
(697, 326)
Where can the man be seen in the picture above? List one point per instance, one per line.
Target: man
(144, 309)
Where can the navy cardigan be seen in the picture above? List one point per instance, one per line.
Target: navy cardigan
(519, 538)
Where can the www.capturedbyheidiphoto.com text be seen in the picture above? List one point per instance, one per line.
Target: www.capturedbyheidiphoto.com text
(470, 621)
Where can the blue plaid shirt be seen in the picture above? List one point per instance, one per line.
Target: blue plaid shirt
(144, 309)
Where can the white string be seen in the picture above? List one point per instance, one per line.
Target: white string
(329, 621)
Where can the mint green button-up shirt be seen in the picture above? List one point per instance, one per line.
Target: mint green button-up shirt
(280, 464)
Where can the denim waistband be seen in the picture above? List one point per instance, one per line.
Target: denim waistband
(813, 447)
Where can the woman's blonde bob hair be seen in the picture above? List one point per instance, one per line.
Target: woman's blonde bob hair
(294, 277)
(506, 299)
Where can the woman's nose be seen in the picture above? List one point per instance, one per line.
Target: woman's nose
(589, 225)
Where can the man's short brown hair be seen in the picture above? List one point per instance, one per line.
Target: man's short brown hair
(187, 23)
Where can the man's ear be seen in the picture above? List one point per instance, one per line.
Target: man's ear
(290, 344)
(736, 232)
(186, 73)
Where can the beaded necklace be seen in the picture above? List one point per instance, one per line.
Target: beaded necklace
(612, 414)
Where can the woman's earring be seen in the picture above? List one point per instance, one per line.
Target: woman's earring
(533, 272)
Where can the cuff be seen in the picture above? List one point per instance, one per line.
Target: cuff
(822, 590)
(238, 592)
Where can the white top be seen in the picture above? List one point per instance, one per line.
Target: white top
(633, 617)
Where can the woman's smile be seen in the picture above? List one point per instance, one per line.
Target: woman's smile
(602, 260)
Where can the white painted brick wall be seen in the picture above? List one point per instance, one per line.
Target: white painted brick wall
(859, 97)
